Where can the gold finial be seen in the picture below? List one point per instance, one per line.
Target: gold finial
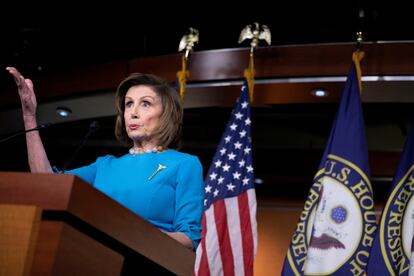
(188, 41)
(359, 40)
(255, 34)
(357, 56)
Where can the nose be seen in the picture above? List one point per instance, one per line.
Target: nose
(134, 113)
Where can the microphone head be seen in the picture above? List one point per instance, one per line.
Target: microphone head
(94, 125)
(45, 125)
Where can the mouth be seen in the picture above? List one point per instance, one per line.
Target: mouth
(133, 126)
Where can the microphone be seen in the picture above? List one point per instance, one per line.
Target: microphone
(39, 127)
(92, 128)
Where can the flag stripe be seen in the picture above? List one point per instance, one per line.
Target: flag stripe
(212, 244)
(201, 262)
(235, 233)
(220, 215)
(246, 230)
(251, 194)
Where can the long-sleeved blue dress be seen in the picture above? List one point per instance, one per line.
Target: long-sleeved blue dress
(170, 198)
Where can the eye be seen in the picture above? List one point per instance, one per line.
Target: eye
(145, 103)
(128, 103)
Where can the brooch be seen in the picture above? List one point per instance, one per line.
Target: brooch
(160, 167)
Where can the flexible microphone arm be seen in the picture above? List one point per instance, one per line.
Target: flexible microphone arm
(92, 128)
(39, 127)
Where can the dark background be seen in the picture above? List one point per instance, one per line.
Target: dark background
(68, 34)
(40, 38)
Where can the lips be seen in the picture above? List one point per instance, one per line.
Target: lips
(133, 126)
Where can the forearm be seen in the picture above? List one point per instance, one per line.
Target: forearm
(36, 153)
(181, 238)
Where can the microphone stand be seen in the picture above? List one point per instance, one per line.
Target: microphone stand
(92, 128)
(39, 127)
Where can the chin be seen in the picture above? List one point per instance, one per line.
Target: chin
(134, 136)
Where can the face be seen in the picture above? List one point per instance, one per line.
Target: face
(143, 109)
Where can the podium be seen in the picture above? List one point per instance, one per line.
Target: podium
(53, 224)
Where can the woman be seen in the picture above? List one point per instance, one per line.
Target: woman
(154, 180)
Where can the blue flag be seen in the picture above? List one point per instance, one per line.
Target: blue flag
(337, 225)
(392, 248)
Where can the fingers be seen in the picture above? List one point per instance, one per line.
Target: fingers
(26, 92)
(19, 79)
(29, 83)
(14, 72)
(16, 75)
(11, 69)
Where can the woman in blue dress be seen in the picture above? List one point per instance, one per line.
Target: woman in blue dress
(154, 180)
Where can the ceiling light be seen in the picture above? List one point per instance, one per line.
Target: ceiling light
(258, 181)
(320, 93)
(63, 112)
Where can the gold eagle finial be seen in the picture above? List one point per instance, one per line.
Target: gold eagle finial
(255, 34)
(188, 41)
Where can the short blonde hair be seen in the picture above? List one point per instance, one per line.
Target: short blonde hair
(169, 133)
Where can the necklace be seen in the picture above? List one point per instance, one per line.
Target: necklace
(134, 151)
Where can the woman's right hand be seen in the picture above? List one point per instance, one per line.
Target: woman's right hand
(26, 93)
(36, 154)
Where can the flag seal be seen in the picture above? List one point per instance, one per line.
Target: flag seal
(344, 224)
(397, 225)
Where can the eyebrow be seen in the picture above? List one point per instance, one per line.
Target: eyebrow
(143, 97)
(147, 96)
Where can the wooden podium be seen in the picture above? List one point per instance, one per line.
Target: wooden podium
(52, 224)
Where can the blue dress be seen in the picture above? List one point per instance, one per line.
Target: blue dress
(170, 198)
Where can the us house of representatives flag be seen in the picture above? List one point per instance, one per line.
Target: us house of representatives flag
(391, 253)
(337, 225)
(229, 236)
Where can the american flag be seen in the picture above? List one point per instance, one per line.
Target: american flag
(229, 236)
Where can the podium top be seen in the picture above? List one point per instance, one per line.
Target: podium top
(68, 193)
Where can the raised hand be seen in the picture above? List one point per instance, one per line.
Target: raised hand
(36, 154)
(26, 93)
